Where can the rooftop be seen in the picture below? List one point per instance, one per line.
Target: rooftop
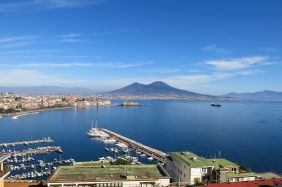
(86, 173)
(194, 160)
(221, 162)
(249, 174)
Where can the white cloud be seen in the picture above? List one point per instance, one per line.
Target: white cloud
(237, 64)
(215, 49)
(110, 65)
(35, 5)
(18, 41)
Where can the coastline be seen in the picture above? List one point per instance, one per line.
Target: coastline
(37, 110)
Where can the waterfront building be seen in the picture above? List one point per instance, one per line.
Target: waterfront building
(92, 175)
(190, 168)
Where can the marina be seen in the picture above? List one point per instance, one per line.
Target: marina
(30, 162)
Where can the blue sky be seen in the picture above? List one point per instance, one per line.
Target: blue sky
(204, 46)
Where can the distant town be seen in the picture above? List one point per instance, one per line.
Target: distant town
(16, 103)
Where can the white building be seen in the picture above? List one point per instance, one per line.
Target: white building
(190, 168)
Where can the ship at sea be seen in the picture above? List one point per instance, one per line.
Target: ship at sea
(216, 105)
(96, 133)
(130, 104)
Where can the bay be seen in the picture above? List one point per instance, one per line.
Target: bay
(248, 133)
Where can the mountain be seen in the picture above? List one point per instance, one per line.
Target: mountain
(155, 88)
(46, 90)
(266, 95)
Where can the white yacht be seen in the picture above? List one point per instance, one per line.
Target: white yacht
(109, 141)
(150, 158)
(96, 133)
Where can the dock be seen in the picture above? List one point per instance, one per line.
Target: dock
(13, 144)
(37, 151)
(150, 152)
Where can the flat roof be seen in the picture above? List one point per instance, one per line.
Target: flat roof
(269, 175)
(80, 173)
(221, 162)
(239, 175)
(192, 159)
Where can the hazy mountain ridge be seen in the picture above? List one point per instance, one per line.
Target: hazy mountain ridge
(266, 95)
(155, 88)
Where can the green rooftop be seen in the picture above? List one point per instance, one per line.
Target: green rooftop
(195, 161)
(92, 163)
(223, 163)
(86, 173)
(192, 160)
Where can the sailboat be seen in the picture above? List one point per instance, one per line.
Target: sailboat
(96, 133)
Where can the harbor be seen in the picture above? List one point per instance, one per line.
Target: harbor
(32, 162)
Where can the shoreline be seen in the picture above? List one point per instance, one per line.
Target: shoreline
(37, 110)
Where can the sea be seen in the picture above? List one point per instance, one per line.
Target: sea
(248, 133)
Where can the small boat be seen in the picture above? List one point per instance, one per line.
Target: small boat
(216, 105)
(142, 155)
(107, 149)
(109, 141)
(101, 158)
(150, 158)
(121, 145)
(15, 117)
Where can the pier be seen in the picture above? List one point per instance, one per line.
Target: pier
(154, 153)
(13, 144)
(37, 151)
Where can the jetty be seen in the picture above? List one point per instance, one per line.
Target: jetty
(150, 152)
(37, 151)
(13, 144)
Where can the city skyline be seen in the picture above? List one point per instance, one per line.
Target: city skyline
(206, 47)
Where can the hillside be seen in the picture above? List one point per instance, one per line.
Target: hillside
(155, 88)
(266, 95)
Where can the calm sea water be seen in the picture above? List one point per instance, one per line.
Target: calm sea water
(249, 133)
